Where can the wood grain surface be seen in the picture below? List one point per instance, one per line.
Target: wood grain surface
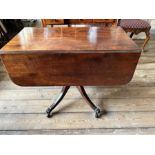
(71, 56)
(71, 40)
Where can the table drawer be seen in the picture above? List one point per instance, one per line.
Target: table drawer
(72, 21)
(103, 20)
(52, 21)
(80, 21)
(88, 21)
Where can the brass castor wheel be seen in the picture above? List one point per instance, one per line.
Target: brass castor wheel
(97, 113)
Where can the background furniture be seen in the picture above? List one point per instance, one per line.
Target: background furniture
(69, 22)
(8, 29)
(71, 56)
(3, 35)
(136, 26)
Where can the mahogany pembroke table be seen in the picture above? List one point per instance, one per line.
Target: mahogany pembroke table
(71, 56)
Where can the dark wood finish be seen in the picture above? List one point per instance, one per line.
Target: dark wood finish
(88, 100)
(85, 96)
(71, 40)
(47, 69)
(107, 22)
(61, 96)
(70, 56)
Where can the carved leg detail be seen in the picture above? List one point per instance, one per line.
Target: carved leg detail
(82, 92)
(61, 96)
(90, 103)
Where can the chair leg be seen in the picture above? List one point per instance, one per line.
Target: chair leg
(146, 40)
(131, 35)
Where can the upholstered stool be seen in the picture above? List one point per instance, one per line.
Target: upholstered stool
(136, 26)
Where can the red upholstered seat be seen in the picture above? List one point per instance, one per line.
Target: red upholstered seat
(134, 24)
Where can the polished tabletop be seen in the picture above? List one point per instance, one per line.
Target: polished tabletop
(70, 56)
(71, 39)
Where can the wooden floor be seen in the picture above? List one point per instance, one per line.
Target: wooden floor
(130, 109)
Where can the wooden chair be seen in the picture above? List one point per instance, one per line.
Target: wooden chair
(136, 26)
